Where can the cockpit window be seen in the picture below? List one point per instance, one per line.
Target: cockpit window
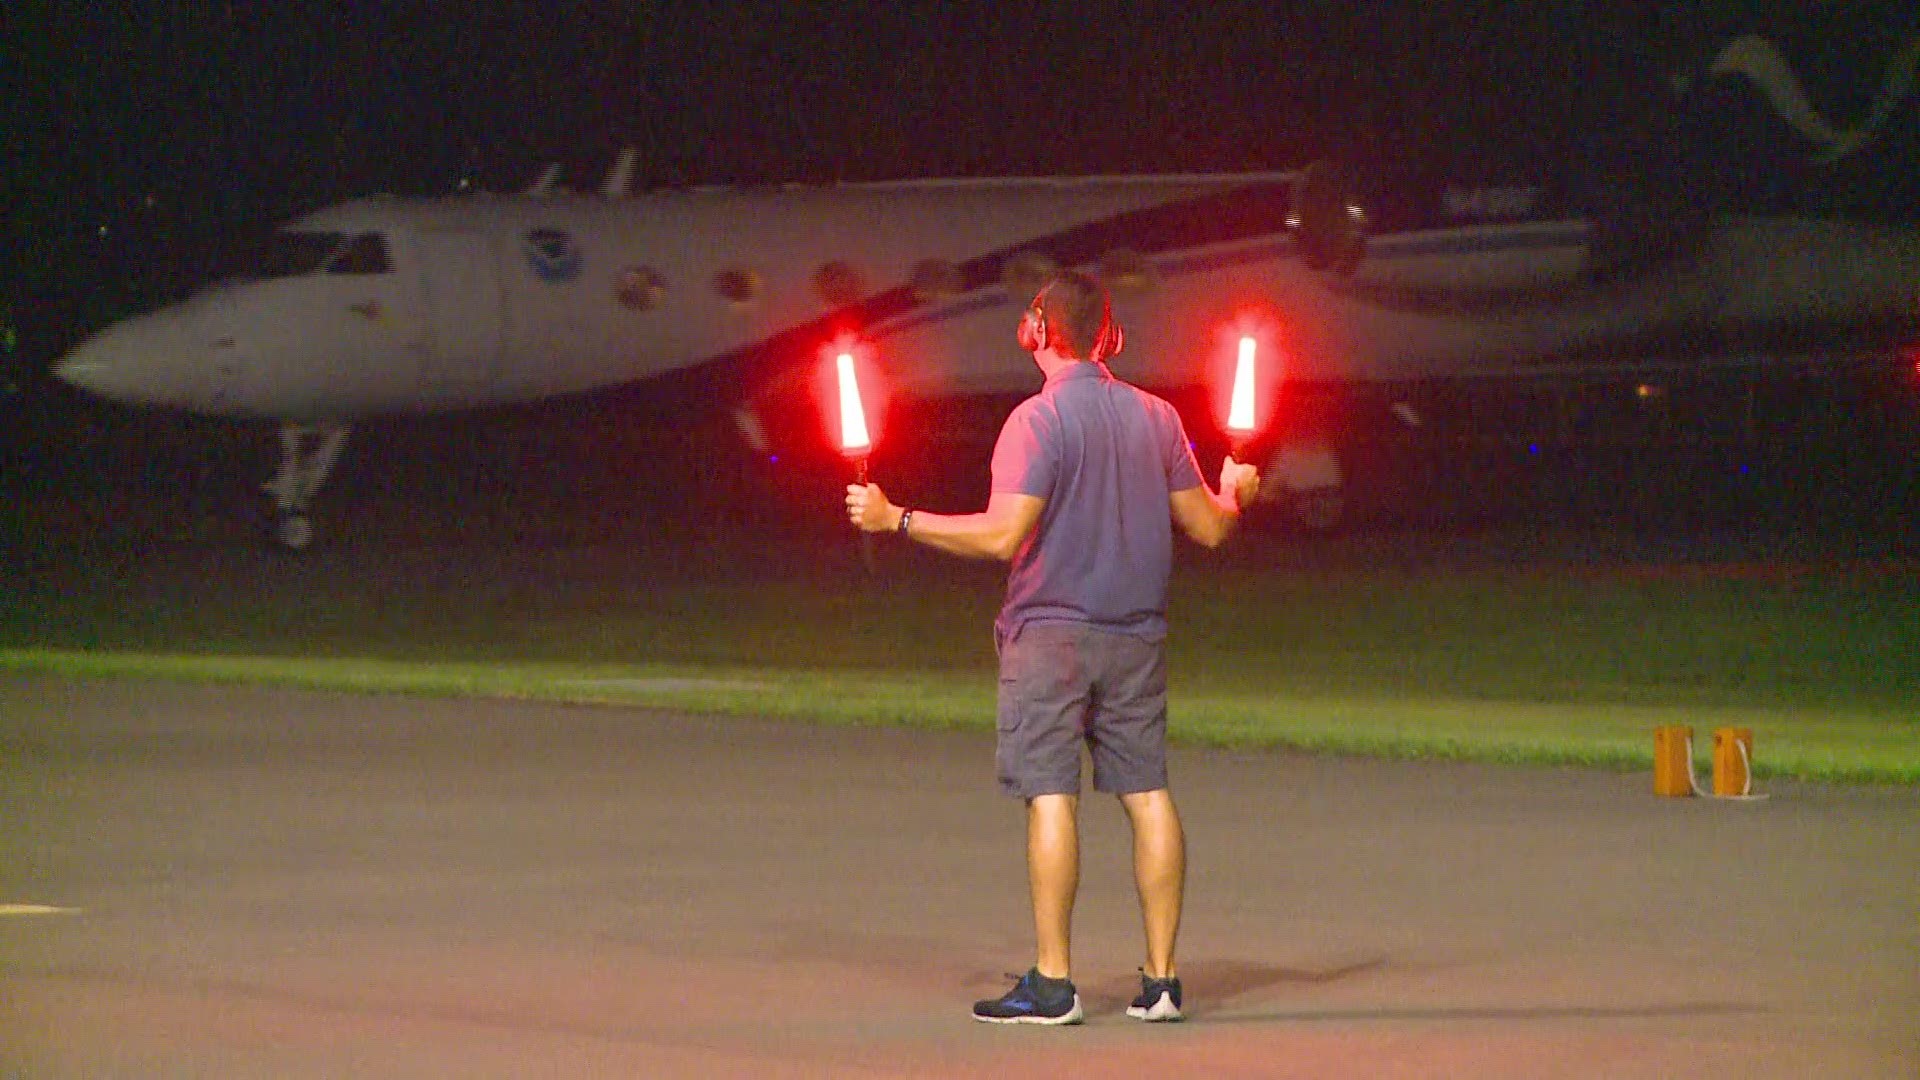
(290, 254)
(364, 254)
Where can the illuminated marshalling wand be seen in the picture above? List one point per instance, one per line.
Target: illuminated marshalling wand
(855, 442)
(1240, 419)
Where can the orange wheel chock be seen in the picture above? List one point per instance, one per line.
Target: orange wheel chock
(1732, 763)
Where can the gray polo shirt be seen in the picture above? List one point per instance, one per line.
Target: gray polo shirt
(1105, 456)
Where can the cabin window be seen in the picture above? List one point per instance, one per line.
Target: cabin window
(838, 283)
(1027, 272)
(738, 286)
(640, 287)
(364, 254)
(1126, 270)
(290, 253)
(934, 279)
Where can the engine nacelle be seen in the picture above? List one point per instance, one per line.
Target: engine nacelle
(1328, 223)
(1303, 479)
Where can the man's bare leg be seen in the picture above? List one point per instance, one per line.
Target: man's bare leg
(1159, 872)
(1053, 875)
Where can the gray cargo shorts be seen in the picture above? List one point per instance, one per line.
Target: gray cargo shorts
(1067, 684)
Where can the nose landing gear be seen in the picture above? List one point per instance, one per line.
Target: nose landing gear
(307, 454)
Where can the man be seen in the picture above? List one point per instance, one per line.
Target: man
(1089, 475)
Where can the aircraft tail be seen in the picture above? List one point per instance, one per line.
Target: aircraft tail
(1756, 59)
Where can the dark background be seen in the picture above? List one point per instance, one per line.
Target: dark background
(160, 122)
(140, 138)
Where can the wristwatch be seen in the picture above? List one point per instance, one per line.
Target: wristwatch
(906, 517)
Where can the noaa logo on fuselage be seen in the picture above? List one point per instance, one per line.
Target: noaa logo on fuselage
(553, 255)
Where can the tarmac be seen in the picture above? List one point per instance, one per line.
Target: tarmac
(229, 881)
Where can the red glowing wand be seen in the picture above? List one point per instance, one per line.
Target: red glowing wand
(1250, 397)
(1240, 420)
(855, 441)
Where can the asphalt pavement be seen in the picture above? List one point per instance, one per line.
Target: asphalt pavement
(232, 881)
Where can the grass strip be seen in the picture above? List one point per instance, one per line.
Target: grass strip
(1811, 743)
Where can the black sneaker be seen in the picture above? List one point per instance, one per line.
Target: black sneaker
(1034, 999)
(1159, 1000)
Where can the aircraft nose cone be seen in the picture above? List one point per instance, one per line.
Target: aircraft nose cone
(85, 374)
(106, 365)
(86, 368)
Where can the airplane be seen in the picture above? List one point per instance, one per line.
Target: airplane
(382, 305)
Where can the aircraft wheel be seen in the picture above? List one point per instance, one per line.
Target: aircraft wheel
(1319, 511)
(296, 532)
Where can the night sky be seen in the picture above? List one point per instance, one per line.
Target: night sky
(175, 120)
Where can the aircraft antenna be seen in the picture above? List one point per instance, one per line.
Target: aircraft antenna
(620, 175)
(544, 185)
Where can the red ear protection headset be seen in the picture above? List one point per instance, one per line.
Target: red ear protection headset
(1032, 333)
(1033, 330)
(1112, 339)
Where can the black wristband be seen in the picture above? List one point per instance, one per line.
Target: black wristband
(906, 517)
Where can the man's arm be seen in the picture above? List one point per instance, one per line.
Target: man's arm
(1209, 517)
(995, 533)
